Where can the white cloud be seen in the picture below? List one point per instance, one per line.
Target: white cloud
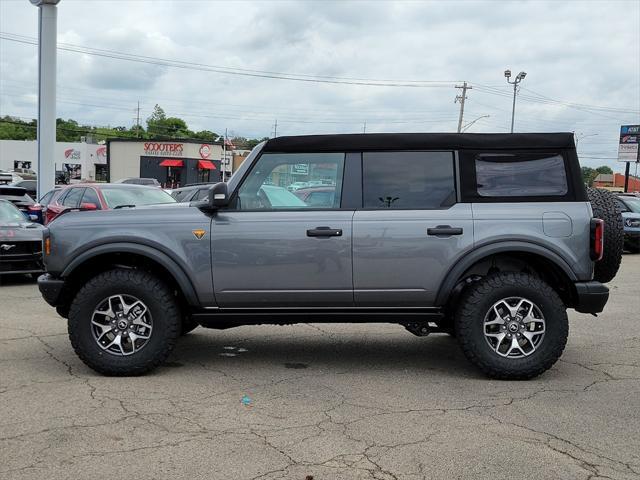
(582, 52)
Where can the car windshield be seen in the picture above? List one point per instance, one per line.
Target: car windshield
(135, 196)
(10, 214)
(633, 204)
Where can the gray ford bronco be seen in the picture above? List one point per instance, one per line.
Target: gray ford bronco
(487, 237)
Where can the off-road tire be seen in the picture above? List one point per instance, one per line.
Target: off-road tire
(476, 301)
(167, 321)
(604, 206)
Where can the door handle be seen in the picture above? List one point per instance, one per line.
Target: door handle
(444, 231)
(324, 232)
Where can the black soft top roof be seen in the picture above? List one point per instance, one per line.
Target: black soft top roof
(417, 141)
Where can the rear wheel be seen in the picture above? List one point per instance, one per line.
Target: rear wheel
(513, 326)
(604, 206)
(124, 322)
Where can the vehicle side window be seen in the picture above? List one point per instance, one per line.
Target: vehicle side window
(518, 175)
(90, 196)
(44, 201)
(320, 199)
(621, 206)
(72, 199)
(177, 194)
(275, 176)
(408, 180)
(202, 194)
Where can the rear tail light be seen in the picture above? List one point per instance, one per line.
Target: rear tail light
(597, 239)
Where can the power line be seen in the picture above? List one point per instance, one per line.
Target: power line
(231, 70)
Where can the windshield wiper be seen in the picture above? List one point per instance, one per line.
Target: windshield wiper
(123, 206)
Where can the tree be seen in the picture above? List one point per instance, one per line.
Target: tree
(158, 126)
(589, 174)
(15, 129)
(161, 126)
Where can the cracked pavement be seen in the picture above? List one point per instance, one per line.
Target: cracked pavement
(328, 401)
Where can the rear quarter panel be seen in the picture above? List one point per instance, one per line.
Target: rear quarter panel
(562, 227)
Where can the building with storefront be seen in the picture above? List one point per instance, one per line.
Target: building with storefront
(615, 182)
(74, 161)
(173, 163)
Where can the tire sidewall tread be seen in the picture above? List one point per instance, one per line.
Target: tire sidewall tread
(469, 324)
(158, 298)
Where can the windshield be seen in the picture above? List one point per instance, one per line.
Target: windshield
(10, 214)
(135, 196)
(633, 204)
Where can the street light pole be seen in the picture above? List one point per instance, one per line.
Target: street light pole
(224, 156)
(47, 36)
(580, 136)
(516, 81)
(468, 125)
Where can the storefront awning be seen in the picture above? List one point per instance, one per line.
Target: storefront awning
(171, 163)
(206, 165)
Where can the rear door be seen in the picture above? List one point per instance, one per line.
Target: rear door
(411, 230)
(271, 249)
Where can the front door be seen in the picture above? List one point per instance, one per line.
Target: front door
(271, 249)
(411, 228)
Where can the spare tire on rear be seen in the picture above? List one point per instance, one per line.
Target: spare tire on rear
(604, 206)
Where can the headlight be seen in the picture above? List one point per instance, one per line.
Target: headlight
(632, 222)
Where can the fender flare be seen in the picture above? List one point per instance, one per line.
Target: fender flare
(151, 253)
(464, 263)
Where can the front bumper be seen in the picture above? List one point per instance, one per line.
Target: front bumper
(591, 297)
(50, 289)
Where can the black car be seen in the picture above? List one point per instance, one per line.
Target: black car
(18, 196)
(20, 242)
(30, 186)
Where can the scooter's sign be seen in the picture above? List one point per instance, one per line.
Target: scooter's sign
(155, 148)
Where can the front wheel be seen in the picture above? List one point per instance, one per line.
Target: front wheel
(124, 322)
(513, 326)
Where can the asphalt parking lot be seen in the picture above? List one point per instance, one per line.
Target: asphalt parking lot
(326, 401)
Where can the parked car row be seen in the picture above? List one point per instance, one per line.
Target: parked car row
(20, 242)
(629, 206)
(100, 196)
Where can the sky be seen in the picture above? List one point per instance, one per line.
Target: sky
(582, 60)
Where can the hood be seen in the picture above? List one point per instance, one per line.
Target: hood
(147, 214)
(20, 231)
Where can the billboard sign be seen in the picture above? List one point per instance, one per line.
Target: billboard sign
(300, 169)
(628, 150)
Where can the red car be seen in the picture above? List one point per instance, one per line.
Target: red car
(103, 196)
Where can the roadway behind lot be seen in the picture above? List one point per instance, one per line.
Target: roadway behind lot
(328, 401)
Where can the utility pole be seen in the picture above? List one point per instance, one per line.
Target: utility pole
(461, 99)
(138, 120)
(364, 127)
(518, 79)
(275, 129)
(47, 38)
(224, 156)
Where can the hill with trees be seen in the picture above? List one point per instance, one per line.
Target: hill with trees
(159, 126)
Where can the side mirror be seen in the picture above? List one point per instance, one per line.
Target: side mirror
(218, 196)
(88, 206)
